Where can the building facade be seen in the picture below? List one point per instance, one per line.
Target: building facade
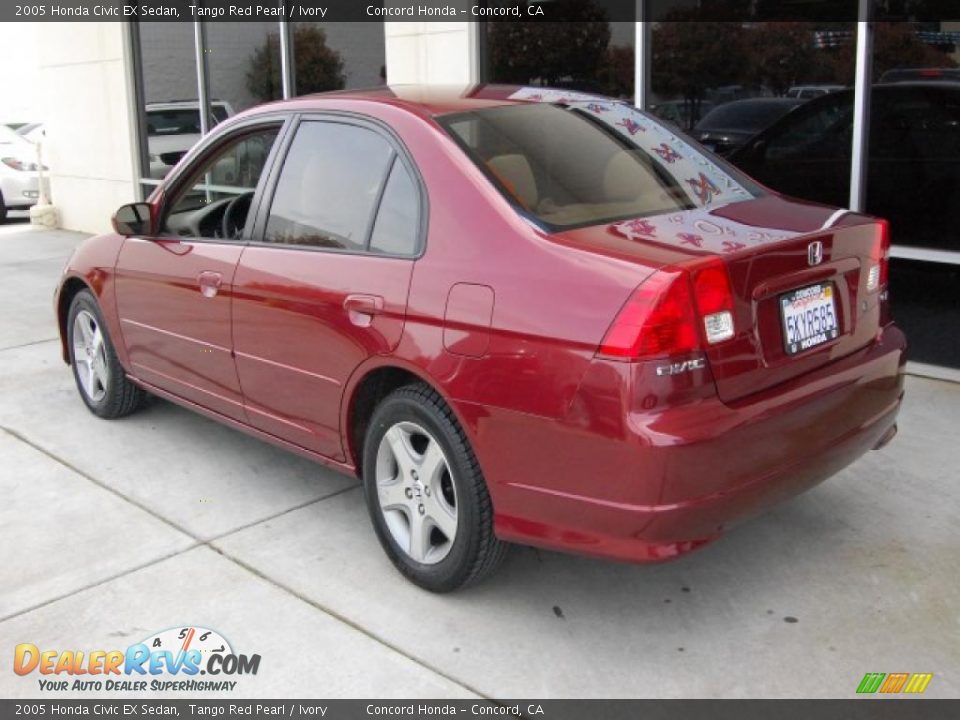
(121, 102)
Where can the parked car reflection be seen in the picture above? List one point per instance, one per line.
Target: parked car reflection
(683, 114)
(808, 92)
(173, 128)
(914, 167)
(728, 126)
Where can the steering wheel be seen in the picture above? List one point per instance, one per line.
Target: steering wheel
(235, 215)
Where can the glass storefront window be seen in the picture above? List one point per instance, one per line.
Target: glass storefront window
(332, 56)
(914, 166)
(590, 54)
(914, 176)
(243, 66)
(773, 97)
(168, 85)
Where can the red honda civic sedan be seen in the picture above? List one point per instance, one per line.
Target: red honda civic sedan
(518, 315)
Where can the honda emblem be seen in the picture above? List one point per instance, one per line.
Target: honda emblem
(815, 253)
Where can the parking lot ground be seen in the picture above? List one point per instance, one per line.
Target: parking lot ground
(112, 531)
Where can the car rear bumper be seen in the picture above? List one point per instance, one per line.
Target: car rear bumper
(668, 481)
(20, 190)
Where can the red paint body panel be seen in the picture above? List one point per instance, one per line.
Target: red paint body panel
(177, 338)
(467, 319)
(503, 319)
(296, 344)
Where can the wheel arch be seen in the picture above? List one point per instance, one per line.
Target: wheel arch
(69, 289)
(367, 387)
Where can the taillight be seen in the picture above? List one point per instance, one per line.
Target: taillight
(711, 288)
(879, 269)
(660, 318)
(656, 321)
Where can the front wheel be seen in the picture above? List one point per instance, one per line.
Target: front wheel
(425, 493)
(100, 378)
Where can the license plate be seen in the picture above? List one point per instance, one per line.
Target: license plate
(809, 318)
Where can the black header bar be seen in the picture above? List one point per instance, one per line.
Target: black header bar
(821, 11)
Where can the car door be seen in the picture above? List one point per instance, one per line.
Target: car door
(806, 154)
(175, 289)
(324, 285)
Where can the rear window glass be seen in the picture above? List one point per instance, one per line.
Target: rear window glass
(590, 163)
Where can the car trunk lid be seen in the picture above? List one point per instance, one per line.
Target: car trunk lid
(772, 248)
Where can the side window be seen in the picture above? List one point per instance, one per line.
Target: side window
(215, 202)
(824, 133)
(397, 225)
(329, 187)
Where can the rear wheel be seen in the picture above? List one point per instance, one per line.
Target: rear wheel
(100, 378)
(425, 493)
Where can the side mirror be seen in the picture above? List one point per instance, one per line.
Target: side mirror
(134, 219)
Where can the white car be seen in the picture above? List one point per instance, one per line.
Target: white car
(34, 132)
(173, 128)
(19, 183)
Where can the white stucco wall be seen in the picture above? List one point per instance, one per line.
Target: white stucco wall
(437, 53)
(18, 73)
(85, 101)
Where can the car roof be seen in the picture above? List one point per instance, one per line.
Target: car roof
(899, 86)
(432, 100)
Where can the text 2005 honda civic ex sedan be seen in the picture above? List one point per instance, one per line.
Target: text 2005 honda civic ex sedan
(518, 315)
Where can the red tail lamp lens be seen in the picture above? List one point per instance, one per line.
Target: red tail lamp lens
(657, 321)
(711, 285)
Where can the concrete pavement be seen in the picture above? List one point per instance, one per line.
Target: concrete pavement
(111, 531)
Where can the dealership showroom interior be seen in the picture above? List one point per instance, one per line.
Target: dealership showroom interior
(474, 357)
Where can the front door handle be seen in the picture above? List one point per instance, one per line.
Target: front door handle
(209, 282)
(361, 308)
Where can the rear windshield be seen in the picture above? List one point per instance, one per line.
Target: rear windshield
(746, 116)
(589, 163)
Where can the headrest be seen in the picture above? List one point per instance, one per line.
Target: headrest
(514, 172)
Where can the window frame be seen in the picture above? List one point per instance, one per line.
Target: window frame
(197, 157)
(401, 154)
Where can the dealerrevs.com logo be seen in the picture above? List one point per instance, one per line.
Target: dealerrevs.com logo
(172, 659)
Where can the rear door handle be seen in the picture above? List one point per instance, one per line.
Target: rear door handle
(209, 282)
(362, 308)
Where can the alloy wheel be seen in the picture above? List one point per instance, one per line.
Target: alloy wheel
(416, 492)
(89, 356)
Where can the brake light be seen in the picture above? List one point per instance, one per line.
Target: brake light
(879, 270)
(711, 288)
(657, 321)
(660, 318)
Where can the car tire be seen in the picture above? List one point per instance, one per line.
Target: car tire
(101, 380)
(413, 430)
